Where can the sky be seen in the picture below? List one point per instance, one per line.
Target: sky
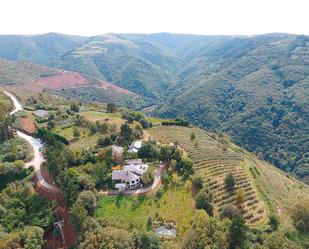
(209, 17)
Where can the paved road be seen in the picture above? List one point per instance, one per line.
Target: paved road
(36, 145)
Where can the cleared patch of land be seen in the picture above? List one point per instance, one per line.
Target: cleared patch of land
(57, 81)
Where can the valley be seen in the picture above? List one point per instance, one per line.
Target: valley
(154, 141)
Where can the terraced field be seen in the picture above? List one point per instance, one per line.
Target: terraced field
(213, 161)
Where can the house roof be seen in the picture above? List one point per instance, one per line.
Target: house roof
(124, 175)
(137, 169)
(132, 150)
(134, 161)
(136, 144)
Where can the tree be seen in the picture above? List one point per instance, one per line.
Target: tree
(111, 107)
(148, 177)
(240, 195)
(74, 107)
(278, 240)
(166, 153)
(125, 132)
(105, 141)
(238, 233)
(149, 151)
(130, 119)
(146, 240)
(197, 182)
(185, 168)
(32, 237)
(230, 182)
(107, 237)
(145, 124)
(273, 222)
(203, 200)
(230, 212)
(300, 215)
(78, 216)
(76, 132)
(192, 136)
(206, 232)
(88, 199)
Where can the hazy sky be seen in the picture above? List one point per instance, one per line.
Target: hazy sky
(89, 17)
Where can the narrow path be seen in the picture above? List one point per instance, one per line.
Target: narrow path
(36, 145)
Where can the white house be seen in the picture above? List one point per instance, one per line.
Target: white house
(135, 146)
(131, 179)
(131, 173)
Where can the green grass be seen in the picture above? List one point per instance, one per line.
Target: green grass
(87, 139)
(156, 120)
(97, 115)
(132, 212)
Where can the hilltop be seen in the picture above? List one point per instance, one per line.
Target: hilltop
(254, 88)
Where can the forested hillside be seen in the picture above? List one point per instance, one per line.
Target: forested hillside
(254, 88)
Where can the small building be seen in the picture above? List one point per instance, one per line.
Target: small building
(117, 154)
(135, 146)
(131, 179)
(41, 113)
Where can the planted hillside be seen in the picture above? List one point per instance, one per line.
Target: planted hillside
(215, 163)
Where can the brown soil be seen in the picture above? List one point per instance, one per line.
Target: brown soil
(66, 80)
(53, 241)
(57, 81)
(106, 85)
(27, 125)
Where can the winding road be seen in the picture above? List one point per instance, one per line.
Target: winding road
(38, 159)
(36, 145)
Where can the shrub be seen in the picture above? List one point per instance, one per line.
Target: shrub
(197, 182)
(203, 201)
(230, 182)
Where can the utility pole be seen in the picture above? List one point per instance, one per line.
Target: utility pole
(59, 224)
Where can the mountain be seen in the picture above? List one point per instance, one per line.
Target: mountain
(253, 88)
(37, 48)
(256, 91)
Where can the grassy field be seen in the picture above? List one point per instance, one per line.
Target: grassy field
(213, 160)
(110, 118)
(83, 142)
(132, 212)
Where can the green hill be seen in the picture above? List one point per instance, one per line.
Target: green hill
(254, 88)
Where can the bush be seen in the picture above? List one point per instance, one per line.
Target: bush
(203, 201)
(50, 137)
(230, 212)
(176, 121)
(273, 222)
(230, 182)
(111, 107)
(197, 182)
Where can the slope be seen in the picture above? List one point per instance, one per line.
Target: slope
(260, 99)
(267, 189)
